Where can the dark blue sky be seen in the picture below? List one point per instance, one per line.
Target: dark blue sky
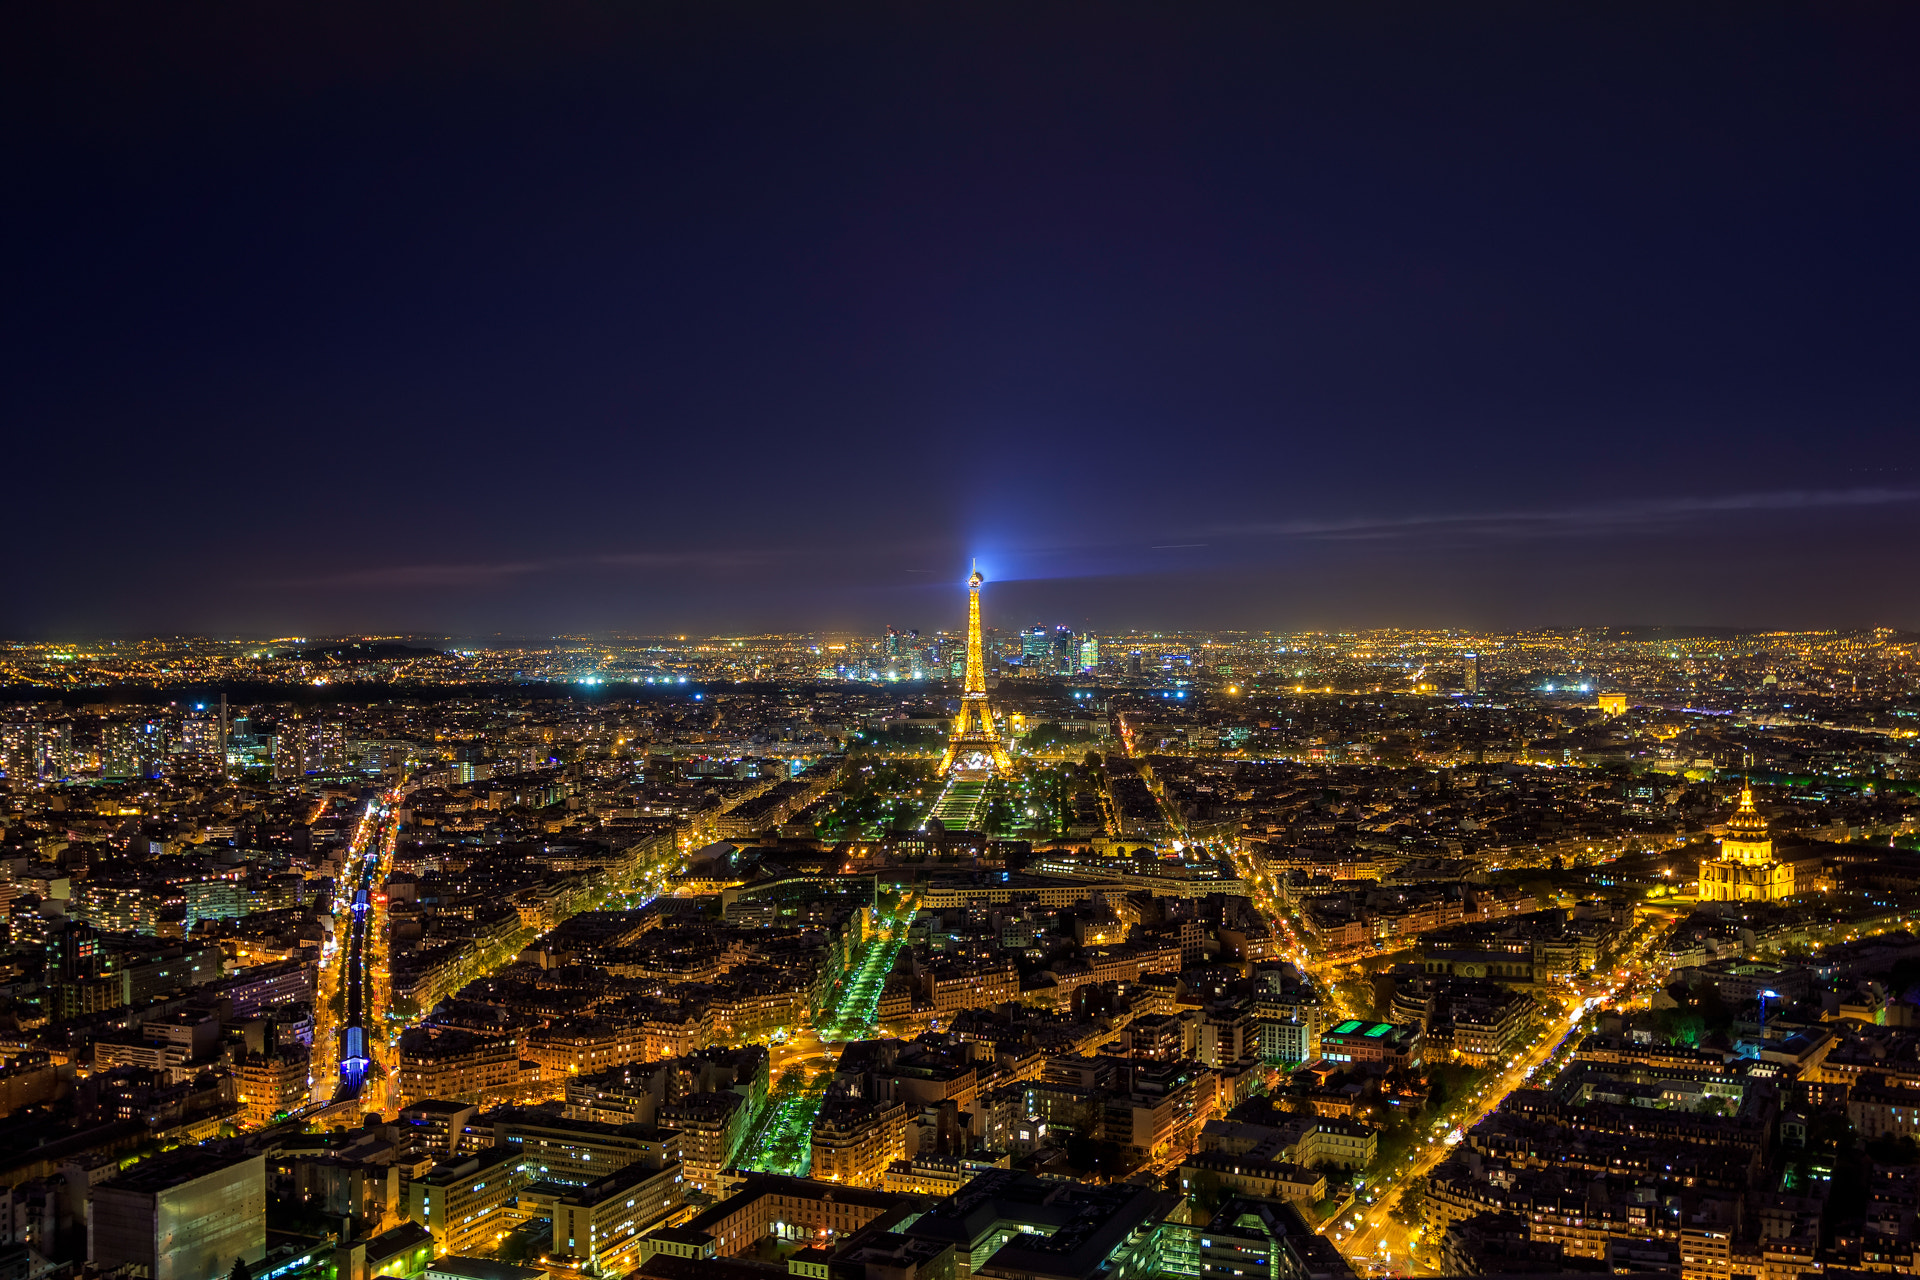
(542, 318)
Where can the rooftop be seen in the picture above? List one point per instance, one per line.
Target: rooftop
(482, 1269)
(766, 1184)
(170, 1170)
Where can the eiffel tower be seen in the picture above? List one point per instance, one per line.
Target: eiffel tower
(974, 746)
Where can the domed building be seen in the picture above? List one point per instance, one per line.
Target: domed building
(1745, 870)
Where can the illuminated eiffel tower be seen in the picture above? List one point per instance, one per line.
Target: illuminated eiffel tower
(974, 746)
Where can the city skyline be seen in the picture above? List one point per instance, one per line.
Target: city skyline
(1246, 945)
(1058, 641)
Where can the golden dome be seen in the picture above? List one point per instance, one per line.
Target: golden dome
(1746, 819)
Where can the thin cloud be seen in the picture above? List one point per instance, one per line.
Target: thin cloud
(420, 575)
(1574, 521)
(686, 559)
(1095, 557)
(488, 573)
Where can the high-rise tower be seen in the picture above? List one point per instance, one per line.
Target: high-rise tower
(974, 744)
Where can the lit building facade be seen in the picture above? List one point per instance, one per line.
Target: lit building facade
(855, 1141)
(576, 1152)
(1374, 1045)
(712, 1126)
(185, 1216)
(601, 1226)
(458, 1066)
(1745, 869)
(462, 1202)
(270, 1085)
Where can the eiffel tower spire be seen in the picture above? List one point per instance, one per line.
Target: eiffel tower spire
(973, 742)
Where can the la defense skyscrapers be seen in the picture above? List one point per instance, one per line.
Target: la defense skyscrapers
(973, 744)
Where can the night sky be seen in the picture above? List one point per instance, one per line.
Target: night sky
(536, 319)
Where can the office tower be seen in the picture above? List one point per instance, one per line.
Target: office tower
(289, 751)
(36, 749)
(1065, 652)
(330, 741)
(1134, 660)
(1034, 647)
(16, 751)
(974, 744)
(309, 747)
(120, 751)
(186, 1215)
(132, 749)
(1472, 682)
(74, 953)
(1089, 652)
(202, 735)
(52, 748)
